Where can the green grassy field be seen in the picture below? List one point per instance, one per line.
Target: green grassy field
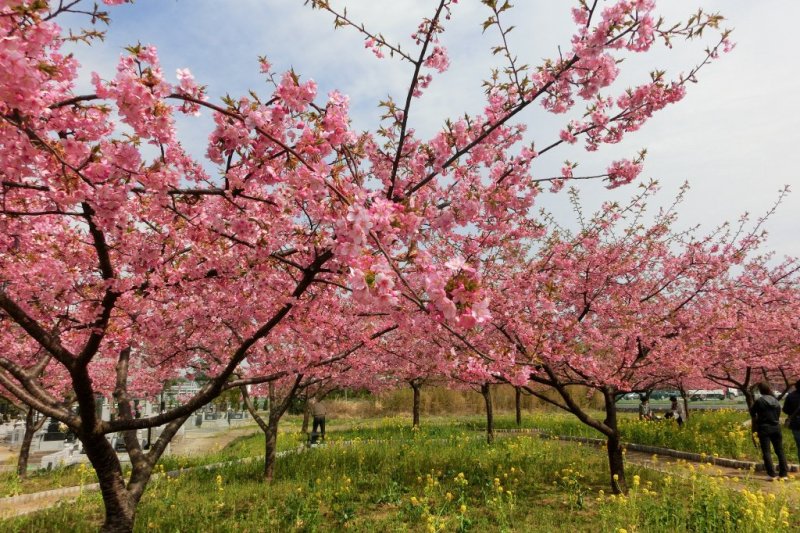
(725, 433)
(721, 432)
(443, 477)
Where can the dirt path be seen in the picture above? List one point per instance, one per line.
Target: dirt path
(199, 442)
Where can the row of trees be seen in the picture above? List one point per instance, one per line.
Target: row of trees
(299, 255)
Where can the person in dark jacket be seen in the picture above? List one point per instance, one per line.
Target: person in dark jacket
(766, 413)
(792, 409)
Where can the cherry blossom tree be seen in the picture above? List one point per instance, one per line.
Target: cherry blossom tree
(756, 336)
(313, 351)
(415, 358)
(52, 379)
(607, 309)
(153, 261)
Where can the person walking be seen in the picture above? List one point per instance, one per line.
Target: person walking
(678, 412)
(766, 413)
(792, 409)
(318, 411)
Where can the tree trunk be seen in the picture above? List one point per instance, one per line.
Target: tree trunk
(306, 416)
(616, 464)
(269, 427)
(616, 461)
(685, 399)
(270, 447)
(518, 405)
(415, 407)
(25, 450)
(486, 392)
(120, 506)
(749, 398)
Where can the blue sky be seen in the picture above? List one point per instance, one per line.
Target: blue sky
(735, 137)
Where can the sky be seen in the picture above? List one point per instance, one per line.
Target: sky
(735, 137)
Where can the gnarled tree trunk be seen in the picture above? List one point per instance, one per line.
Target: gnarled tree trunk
(120, 506)
(518, 405)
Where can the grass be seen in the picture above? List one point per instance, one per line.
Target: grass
(443, 477)
(722, 432)
(725, 433)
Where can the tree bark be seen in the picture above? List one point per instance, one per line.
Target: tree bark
(616, 461)
(120, 505)
(31, 427)
(518, 405)
(616, 464)
(486, 392)
(270, 427)
(306, 416)
(749, 397)
(270, 447)
(415, 386)
(685, 399)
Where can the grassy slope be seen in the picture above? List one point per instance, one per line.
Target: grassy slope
(402, 483)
